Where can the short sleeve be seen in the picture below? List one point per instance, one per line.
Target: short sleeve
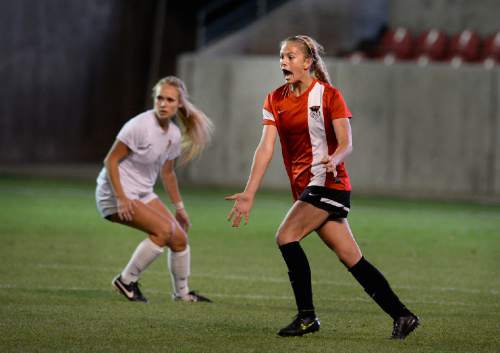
(338, 107)
(133, 135)
(267, 112)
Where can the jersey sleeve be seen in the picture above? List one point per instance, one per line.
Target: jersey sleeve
(338, 107)
(267, 112)
(132, 134)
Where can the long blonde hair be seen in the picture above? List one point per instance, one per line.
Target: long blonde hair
(196, 127)
(313, 50)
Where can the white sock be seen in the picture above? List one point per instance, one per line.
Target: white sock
(145, 253)
(179, 264)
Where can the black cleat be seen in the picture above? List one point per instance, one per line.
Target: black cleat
(404, 326)
(300, 326)
(131, 291)
(192, 297)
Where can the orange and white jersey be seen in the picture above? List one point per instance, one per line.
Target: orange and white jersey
(306, 132)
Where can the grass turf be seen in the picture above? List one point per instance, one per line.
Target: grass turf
(58, 258)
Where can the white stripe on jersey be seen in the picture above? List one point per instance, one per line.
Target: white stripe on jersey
(267, 115)
(317, 134)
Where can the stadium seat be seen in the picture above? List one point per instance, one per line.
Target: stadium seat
(464, 47)
(490, 53)
(396, 44)
(431, 45)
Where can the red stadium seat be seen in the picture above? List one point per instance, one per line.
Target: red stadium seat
(490, 54)
(464, 47)
(432, 45)
(396, 44)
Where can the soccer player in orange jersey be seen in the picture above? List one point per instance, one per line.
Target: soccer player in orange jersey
(311, 119)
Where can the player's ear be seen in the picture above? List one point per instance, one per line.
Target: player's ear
(307, 63)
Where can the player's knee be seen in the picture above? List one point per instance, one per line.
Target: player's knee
(279, 236)
(177, 245)
(284, 236)
(164, 233)
(349, 257)
(178, 241)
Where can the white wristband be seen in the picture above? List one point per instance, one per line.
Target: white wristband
(179, 205)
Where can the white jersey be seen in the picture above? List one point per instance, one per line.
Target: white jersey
(150, 147)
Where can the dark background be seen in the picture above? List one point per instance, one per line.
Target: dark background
(73, 72)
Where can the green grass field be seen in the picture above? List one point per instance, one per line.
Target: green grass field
(58, 258)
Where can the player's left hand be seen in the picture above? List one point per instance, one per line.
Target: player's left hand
(330, 165)
(182, 217)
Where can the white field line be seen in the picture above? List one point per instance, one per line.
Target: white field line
(283, 279)
(268, 279)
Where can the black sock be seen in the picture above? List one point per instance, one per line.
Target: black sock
(377, 287)
(300, 277)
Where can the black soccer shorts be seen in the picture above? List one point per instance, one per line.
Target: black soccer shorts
(336, 202)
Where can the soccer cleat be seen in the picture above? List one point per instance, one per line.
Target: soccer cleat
(191, 297)
(131, 291)
(404, 326)
(300, 326)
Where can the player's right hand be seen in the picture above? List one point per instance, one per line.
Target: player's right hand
(242, 205)
(125, 208)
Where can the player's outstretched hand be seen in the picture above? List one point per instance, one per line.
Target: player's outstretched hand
(242, 205)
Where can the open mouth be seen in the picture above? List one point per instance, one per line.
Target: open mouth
(286, 73)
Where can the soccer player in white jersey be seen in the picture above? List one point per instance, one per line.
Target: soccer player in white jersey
(311, 119)
(145, 148)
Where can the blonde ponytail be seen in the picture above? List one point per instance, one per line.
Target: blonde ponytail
(196, 127)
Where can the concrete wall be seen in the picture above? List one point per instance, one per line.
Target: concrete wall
(430, 131)
(231, 91)
(337, 24)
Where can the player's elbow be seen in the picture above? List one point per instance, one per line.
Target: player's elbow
(105, 161)
(349, 148)
(168, 175)
(346, 145)
(264, 153)
(109, 161)
(344, 149)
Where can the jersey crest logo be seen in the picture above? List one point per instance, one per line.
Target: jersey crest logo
(314, 112)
